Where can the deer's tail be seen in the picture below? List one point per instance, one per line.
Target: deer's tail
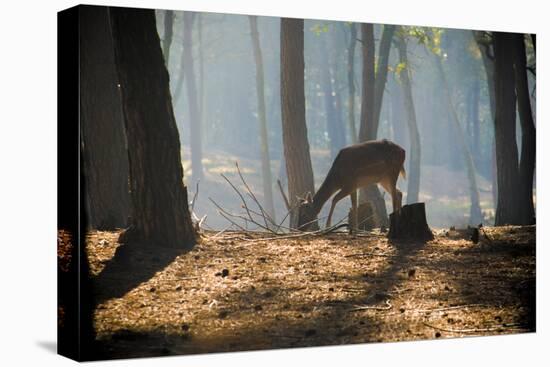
(403, 173)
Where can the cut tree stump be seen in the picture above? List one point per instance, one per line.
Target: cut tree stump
(410, 223)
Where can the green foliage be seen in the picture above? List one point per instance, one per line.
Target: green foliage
(319, 28)
(430, 37)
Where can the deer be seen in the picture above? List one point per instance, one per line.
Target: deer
(355, 167)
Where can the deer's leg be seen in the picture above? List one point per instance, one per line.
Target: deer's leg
(354, 220)
(396, 195)
(339, 196)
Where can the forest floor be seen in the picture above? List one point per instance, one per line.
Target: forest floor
(240, 291)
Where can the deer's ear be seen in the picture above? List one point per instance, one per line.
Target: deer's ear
(299, 199)
(309, 198)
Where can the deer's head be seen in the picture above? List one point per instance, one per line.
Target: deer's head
(307, 214)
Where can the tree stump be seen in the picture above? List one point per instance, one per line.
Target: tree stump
(410, 223)
(365, 217)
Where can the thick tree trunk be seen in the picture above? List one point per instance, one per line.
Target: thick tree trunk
(160, 213)
(333, 123)
(168, 34)
(367, 130)
(194, 113)
(528, 136)
(351, 83)
(262, 117)
(103, 140)
(413, 179)
(505, 132)
(295, 141)
(475, 210)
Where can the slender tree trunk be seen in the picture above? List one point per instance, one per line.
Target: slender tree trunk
(505, 132)
(413, 179)
(201, 72)
(489, 66)
(296, 145)
(160, 213)
(262, 117)
(382, 73)
(528, 136)
(474, 118)
(366, 129)
(194, 113)
(351, 83)
(475, 210)
(168, 34)
(333, 123)
(103, 140)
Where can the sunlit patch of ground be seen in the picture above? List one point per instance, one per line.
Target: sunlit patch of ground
(238, 291)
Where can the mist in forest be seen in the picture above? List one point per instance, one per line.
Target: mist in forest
(212, 60)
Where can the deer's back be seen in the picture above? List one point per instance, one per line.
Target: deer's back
(368, 162)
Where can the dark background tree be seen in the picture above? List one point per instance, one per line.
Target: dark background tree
(528, 134)
(103, 140)
(168, 34)
(296, 145)
(508, 209)
(160, 214)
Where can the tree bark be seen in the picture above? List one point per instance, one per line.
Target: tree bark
(351, 83)
(505, 132)
(295, 141)
(194, 113)
(413, 186)
(103, 140)
(160, 213)
(410, 224)
(168, 34)
(528, 136)
(262, 117)
(475, 210)
(381, 73)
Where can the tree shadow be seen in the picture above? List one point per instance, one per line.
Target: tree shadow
(131, 265)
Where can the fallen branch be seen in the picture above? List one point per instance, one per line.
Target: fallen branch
(512, 326)
(302, 234)
(450, 308)
(249, 219)
(377, 308)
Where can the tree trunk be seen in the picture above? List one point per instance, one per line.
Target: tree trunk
(194, 113)
(474, 119)
(262, 117)
(168, 34)
(413, 186)
(367, 130)
(351, 83)
(381, 73)
(489, 66)
(103, 140)
(528, 136)
(475, 210)
(333, 123)
(505, 132)
(295, 141)
(160, 213)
